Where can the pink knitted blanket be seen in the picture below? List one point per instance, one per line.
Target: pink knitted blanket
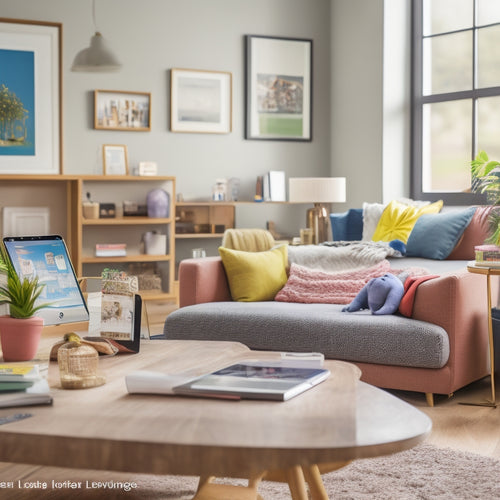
(311, 286)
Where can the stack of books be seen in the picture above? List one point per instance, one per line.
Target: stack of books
(23, 384)
(487, 255)
(110, 250)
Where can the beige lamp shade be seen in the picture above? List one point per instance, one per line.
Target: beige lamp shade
(317, 189)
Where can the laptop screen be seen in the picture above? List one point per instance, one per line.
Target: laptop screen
(47, 258)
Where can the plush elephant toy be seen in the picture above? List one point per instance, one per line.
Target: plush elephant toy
(381, 295)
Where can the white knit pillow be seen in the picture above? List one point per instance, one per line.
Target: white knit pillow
(371, 215)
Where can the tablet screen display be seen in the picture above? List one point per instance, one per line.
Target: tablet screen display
(46, 257)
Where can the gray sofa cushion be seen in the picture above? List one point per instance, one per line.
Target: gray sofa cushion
(282, 326)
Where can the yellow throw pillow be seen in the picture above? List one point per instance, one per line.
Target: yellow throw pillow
(255, 276)
(398, 219)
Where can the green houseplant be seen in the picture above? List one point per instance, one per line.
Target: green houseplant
(21, 329)
(486, 179)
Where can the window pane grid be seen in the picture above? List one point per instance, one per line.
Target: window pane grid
(446, 134)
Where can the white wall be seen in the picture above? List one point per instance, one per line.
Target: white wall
(396, 99)
(152, 36)
(370, 42)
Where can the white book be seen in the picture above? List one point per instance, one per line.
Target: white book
(111, 253)
(277, 185)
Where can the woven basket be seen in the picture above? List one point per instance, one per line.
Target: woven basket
(78, 366)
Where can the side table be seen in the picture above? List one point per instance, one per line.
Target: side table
(488, 272)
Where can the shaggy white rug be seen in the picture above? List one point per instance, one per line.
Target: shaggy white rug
(424, 473)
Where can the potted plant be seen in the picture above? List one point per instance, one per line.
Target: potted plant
(486, 179)
(20, 330)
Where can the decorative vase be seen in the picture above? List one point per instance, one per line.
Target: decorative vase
(158, 202)
(20, 338)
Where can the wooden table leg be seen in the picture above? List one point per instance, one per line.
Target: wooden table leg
(296, 483)
(315, 483)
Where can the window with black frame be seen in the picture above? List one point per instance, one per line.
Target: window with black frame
(456, 95)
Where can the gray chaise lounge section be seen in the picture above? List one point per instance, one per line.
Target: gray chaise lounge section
(360, 336)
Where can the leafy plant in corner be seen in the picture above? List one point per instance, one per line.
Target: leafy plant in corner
(486, 179)
(20, 295)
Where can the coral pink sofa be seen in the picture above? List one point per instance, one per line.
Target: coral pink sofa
(441, 348)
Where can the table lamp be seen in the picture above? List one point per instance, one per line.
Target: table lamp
(317, 190)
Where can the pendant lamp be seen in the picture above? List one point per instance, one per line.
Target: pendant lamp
(97, 57)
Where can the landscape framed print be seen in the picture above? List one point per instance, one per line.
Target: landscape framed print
(117, 110)
(200, 101)
(278, 89)
(30, 97)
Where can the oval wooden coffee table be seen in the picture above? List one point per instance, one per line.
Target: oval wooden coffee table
(105, 428)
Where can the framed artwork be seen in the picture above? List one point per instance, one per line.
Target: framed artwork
(114, 159)
(30, 97)
(278, 101)
(116, 110)
(200, 101)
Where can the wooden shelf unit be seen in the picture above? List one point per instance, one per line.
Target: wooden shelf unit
(204, 219)
(64, 195)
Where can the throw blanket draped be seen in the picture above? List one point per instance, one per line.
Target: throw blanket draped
(341, 256)
(311, 286)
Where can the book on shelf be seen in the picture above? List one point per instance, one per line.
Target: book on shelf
(277, 185)
(110, 250)
(246, 380)
(274, 186)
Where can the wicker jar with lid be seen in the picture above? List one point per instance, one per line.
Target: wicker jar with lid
(78, 365)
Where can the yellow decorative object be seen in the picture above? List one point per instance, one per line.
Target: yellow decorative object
(255, 276)
(78, 364)
(398, 219)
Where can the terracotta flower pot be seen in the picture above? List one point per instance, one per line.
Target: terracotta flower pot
(20, 337)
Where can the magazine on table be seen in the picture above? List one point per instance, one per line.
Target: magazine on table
(244, 380)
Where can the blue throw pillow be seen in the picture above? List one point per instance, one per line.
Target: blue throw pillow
(434, 236)
(347, 226)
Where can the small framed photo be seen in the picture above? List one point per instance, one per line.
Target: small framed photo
(200, 101)
(114, 159)
(278, 88)
(116, 110)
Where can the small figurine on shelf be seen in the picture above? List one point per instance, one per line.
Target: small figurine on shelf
(158, 201)
(219, 191)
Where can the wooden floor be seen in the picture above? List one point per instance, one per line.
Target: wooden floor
(462, 427)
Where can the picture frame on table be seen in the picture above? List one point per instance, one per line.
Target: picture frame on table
(278, 88)
(30, 97)
(115, 159)
(200, 101)
(121, 110)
